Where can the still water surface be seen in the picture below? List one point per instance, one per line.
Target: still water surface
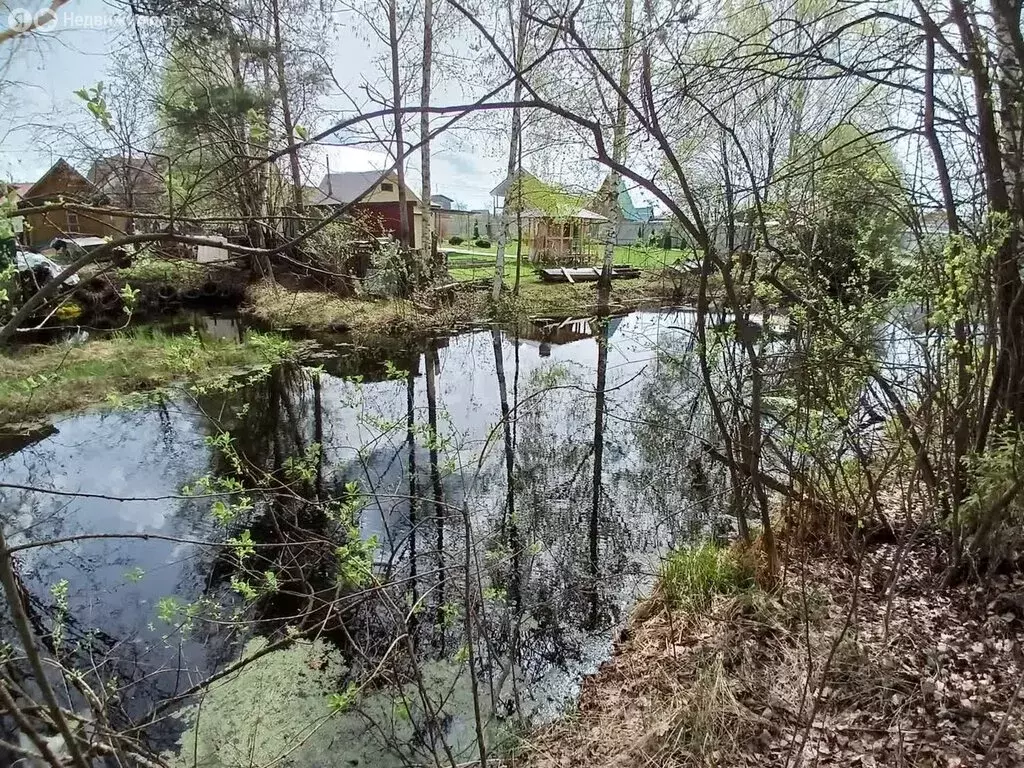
(557, 566)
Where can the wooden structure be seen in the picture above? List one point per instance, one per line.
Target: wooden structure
(64, 182)
(563, 240)
(556, 226)
(586, 274)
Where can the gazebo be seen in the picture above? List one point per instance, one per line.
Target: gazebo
(565, 239)
(555, 226)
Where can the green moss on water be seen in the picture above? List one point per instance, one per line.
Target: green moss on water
(42, 380)
(299, 706)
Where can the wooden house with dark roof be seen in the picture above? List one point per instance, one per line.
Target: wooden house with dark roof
(63, 182)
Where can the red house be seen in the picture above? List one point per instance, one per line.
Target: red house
(377, 199)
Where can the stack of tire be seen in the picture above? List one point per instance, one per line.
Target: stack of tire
(98, 297)
(209, 294)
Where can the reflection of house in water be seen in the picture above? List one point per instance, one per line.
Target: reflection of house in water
(545, 333)
(380, 363)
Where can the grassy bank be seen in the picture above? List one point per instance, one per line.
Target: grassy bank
(842, 665)
(39, 381)
(458, 306)
(644, 257)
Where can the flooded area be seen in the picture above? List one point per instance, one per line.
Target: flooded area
(475, 454)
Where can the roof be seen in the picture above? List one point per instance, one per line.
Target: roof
(627, 210)
(317, 197)
(565, 213)
(346, 187)
(543, 200)
(17, 187)
(442, 197)
(60, 165)
(502, 188)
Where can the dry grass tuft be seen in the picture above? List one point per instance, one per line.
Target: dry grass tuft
(313, 310)
(437, 313)
(674, 693)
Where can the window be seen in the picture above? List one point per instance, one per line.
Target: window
(72, 219)
(387, 187)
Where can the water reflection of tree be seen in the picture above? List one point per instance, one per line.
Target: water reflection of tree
(268, 418)
(552, 562)
(573, 487)
(674, 477)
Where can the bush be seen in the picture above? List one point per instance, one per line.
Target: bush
(483, 243)
(455, 240)
(692, 576)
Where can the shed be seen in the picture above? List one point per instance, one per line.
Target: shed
(374, 195)
(565, 237)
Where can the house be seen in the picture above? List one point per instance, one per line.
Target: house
(63, 182)
(556, 225)
(633, 223)
(15, 190)
(933, 225)
(443, 202)
(134, 183)
(372, 195)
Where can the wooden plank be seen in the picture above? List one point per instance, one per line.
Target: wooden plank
(567, 275)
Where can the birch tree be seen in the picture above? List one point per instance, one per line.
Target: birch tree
(513, 165)
(427, 237)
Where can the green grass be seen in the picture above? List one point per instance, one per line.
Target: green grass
(179, 272)
(44, 380)
(468, 262)
(691, 577)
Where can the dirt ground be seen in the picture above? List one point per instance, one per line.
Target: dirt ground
(867, 663)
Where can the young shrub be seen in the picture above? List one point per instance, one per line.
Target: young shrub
(455, 240)
(691, 577)
(483, 243)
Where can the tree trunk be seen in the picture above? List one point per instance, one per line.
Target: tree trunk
(286, 110)
(396, 104)
(513, 166)
(427, 236)
(618, 146)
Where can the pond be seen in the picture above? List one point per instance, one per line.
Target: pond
(468, 465)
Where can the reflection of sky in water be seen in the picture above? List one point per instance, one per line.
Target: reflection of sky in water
(154, 452)
(151, 452)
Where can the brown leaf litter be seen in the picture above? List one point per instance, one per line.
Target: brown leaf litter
(840, 667)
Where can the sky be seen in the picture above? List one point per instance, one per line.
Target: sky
(44, 72)
(40, 73)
